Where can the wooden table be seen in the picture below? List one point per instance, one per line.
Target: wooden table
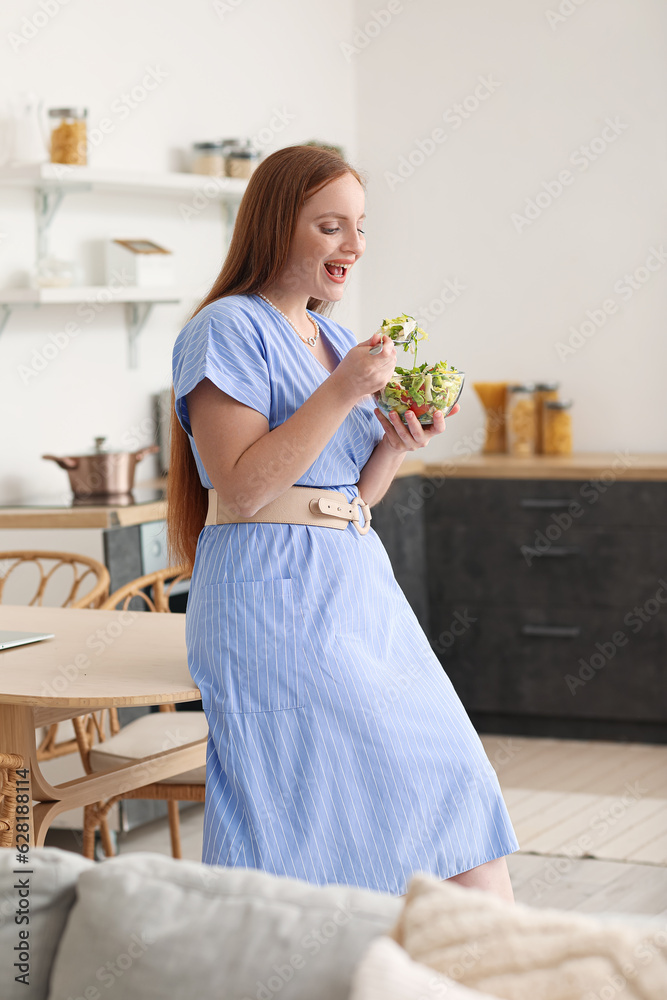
(96, 660)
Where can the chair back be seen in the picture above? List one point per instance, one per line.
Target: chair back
(65, 579)
(153, 590)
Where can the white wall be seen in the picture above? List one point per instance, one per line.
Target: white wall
(450, 218)
(377, 90)
(227, 68)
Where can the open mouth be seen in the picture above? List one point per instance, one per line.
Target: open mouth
(337, 272)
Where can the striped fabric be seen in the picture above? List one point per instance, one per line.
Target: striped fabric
(338, 749)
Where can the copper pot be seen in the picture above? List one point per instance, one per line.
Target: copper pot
(102, 473)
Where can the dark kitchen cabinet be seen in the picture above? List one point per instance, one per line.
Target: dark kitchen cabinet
(561, 589)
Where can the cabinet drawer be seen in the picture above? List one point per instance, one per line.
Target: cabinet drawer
(539, 503)
(515, 565)
(558, 662)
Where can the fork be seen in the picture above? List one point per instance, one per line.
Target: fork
(406, 340)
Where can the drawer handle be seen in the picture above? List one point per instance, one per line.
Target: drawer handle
(552, 631)
(542, 504)
(556, 550)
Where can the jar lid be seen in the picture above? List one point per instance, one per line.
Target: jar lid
(547, 386)
(242, 149)
(217, 144)
(522, 387)
(558, 404)
(68, 112)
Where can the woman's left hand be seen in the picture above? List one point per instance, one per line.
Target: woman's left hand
(400, 438)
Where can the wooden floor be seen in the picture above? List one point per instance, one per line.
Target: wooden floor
(585, 799)
(591, 819)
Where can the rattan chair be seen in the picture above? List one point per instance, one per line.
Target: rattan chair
(144, 736)
(10, 763)
(83, 581)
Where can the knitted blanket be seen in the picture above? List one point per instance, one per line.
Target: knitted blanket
(519, 953)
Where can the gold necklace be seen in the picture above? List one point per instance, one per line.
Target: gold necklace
(306, 340)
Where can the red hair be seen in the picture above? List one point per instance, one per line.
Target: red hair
(258, 251)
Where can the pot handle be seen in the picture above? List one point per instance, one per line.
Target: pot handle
(148, 450)
(64, 463)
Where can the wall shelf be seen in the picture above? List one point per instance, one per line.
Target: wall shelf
(52, 181)
(71, 179)
(138, 303)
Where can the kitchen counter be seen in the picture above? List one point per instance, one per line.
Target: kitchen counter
(581, 465)
(150, 504)
(60, 512)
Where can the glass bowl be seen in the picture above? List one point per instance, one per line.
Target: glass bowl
(444, 398)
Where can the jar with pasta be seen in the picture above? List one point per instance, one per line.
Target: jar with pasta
(241, 158)
(557, 427)
(521, 420)
(544, 391)
(209, 158)
(493, 396)
(69, 142)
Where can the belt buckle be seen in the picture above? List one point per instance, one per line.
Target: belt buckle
(357, 502)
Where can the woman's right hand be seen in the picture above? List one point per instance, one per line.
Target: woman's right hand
(367, 373)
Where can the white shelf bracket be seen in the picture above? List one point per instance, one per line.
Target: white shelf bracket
(136, 317)
(47, 203)
(5, 313)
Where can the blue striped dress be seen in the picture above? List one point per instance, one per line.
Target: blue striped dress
(338, 749)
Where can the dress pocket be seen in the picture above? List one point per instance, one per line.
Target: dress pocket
(255, 646)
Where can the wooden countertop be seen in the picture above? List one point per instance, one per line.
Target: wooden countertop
(647, 466)
(651, 466)
(94, 516)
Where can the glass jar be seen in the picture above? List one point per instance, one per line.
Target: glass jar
(241, 158)
(69, 143)
(208, 158)
(493, 396)
(543, 391)
(557, 427)
(51, 272)
(521, 420)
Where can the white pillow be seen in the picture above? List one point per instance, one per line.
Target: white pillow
(147, 926)
(47, 883)
(386, 972)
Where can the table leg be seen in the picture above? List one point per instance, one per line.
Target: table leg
(17, 735)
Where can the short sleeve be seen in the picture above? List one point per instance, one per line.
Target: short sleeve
(223, 344)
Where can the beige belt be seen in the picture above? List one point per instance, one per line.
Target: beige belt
(298, 505)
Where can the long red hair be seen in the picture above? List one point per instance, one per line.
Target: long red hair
(257, 255)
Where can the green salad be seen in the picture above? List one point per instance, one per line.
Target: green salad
(422, 389)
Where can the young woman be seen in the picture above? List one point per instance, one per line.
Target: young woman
(338, 749)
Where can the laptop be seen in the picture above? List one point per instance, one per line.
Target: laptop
(10, 639)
